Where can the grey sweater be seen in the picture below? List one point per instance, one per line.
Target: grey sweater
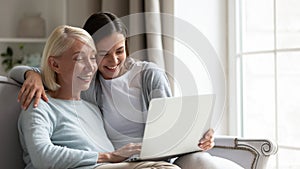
(155, 84)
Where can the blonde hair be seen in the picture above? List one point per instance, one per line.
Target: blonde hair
(60, 40)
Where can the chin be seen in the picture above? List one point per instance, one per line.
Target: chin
(85, 87)
(111, 76)
(108, 77)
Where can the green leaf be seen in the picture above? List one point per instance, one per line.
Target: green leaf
(9, 51)
(6, 56)
(6, 62)
(8, 68)
(21, 47)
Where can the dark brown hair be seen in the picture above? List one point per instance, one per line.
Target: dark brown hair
(102, 24)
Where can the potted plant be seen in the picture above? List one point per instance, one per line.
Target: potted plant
(8, 59)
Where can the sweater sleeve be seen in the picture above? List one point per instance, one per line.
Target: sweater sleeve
(35, 130)
(155, 83)
(18, 72)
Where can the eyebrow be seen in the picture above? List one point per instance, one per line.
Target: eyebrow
(120, 47)
(104, 51)
(77, 52)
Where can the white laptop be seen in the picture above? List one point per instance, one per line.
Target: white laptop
(175, 125)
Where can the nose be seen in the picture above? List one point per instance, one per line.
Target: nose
(114, 58)
(90, 65)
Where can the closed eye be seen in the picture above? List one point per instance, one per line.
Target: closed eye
(120, 51)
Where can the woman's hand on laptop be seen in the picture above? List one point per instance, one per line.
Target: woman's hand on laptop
(207, 141)
(120, 154)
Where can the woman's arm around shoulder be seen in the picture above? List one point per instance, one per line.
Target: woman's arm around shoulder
(32, 85)
(18, 72)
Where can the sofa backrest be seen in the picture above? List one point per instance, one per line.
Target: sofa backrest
(10, 149)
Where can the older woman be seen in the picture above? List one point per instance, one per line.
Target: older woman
(66, 131)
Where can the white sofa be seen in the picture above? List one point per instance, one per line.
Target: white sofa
(249, 153)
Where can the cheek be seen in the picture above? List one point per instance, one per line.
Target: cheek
(69, 69)
(101, 63)
(76, 69)
(69, 75)
(95, 67)
(123, 57)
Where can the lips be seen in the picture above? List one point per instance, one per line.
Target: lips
(111, 68)
(85, 77)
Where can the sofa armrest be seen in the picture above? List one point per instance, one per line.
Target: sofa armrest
(249, 153)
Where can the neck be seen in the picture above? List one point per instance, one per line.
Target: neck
(64, 94)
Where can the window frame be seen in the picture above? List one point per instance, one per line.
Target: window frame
(234, 108)
(235, 83)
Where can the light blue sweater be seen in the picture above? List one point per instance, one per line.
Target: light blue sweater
(62, 134)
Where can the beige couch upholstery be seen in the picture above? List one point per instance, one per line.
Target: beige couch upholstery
(249, 153)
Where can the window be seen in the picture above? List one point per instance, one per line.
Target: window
(267, 57)
(200, 53)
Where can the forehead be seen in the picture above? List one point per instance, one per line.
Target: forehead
(110, 41)
(79, 46)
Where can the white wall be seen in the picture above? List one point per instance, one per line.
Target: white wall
(119, 8)
(55, 12)
(78, 11)
(210, 18)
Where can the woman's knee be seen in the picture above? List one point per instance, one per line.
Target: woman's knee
(158, 165)
(203, 160)
(199, 160)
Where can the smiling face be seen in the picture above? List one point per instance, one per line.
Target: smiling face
(112, 55)
(75, 69)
